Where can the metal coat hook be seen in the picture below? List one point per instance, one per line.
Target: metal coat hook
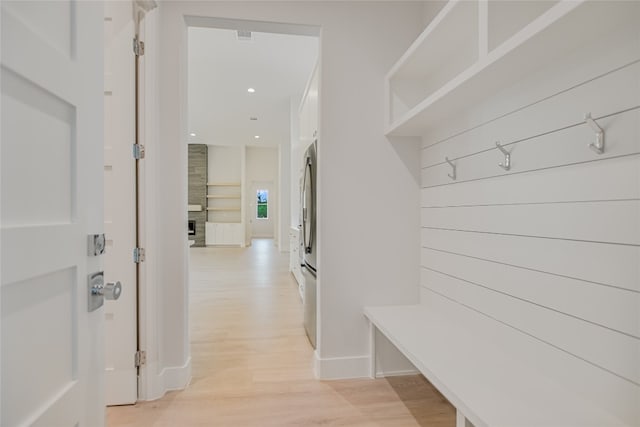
(507, 157)
(597, 146)
(453, 167)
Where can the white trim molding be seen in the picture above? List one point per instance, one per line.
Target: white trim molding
(169, 379)
(336, 368)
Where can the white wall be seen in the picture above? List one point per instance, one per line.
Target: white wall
(432, 10)
(550, 248)
(295, 164)
(224, 163)
(366, 256)
(262, 167)
(285, 195)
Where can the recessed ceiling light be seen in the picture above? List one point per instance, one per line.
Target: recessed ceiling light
(192, 134)
(257, 137)
(251, 90)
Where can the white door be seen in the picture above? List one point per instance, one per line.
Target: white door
(51, 155)
(119, 192)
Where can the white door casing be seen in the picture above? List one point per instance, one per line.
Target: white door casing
(120, 215)
(52, 199)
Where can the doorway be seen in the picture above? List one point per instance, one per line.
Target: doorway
(244, 94)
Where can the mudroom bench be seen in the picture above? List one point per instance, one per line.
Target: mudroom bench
(492, 374)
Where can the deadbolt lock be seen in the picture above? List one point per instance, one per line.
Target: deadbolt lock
(97, 244)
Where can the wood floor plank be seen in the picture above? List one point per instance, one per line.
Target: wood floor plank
(252, 362)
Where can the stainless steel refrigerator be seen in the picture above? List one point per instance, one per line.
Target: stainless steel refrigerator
(308, 241)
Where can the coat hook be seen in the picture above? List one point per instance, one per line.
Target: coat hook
(507, 157)
(597, 146)
(453, 167)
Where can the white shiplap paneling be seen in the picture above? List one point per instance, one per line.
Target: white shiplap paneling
(604, 264)
(608, 222)
(558, 112)
(551, 248)
(573, 183)
(618, 312)
(614, 352)
(555, 149)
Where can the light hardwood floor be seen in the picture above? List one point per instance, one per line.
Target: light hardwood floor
(252, 363)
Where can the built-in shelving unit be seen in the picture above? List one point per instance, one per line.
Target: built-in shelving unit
(474, 48)
(224, 202)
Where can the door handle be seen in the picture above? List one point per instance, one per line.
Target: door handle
(110, 291)
(98, 291)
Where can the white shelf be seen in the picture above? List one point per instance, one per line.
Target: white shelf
(224, 202)
(445, 48)
(551, 34)
(223, 184)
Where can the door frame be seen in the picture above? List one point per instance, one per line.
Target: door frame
(150, 384)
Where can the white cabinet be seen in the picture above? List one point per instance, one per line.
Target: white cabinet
(294, 258)
(308, 113)
(229, 234)
(210, 233)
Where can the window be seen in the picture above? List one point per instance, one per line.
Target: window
(262, 210)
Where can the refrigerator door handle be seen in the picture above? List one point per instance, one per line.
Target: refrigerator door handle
(309, 210)
(304, 226)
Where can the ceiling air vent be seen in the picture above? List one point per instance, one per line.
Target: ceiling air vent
(244, 36)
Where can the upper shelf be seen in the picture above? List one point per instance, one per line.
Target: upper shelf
(474, 48)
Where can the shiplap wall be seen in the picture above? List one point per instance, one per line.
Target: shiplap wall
(550, 248)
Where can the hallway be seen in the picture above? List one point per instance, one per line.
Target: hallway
(252, 363)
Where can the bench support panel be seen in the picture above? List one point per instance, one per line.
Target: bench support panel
(461, 420)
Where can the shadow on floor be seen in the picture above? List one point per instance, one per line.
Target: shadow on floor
(383, 399)
(427, 405)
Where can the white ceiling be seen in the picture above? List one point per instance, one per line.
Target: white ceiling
(222, 68)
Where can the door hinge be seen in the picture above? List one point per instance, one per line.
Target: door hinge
(138, 46)
(140, 358)
(138, 151)
(138, 255)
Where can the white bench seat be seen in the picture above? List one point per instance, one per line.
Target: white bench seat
(462, 353)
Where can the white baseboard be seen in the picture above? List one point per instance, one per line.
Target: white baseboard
(336, 368)
(177, 377)
(399, 373)
(170, 378)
